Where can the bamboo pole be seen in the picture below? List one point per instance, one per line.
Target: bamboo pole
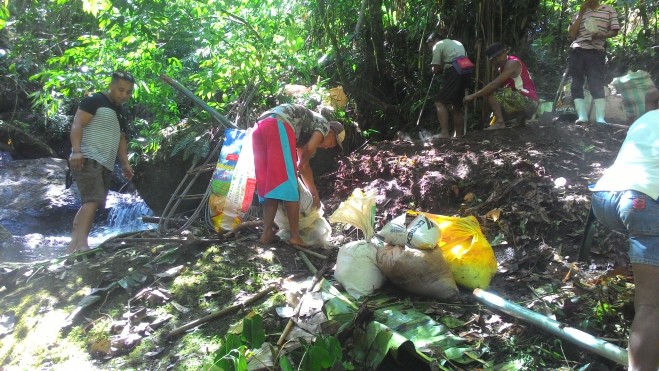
(307, 251)
(308, 263)
(216, 115)
(220, 313)
(585, 340)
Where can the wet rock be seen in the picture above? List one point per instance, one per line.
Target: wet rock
(33, 196)
(6, 237)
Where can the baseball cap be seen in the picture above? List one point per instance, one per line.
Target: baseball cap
(495, 49)
(339, 132)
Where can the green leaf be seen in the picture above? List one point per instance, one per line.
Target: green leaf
(132, 280)
(463, 355)
(4, 16)
(316, 358)
(285, 364)
(231, 342)
(253, 332)
(451, 322)
(372, 345)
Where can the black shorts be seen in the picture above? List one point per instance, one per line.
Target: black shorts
(452, 88)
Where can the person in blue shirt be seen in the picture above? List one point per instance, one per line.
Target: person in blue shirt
(626, 199)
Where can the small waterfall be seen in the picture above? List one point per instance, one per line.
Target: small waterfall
(123, 214)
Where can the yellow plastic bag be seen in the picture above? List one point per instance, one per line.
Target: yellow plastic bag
(359, 211)
(466, 250)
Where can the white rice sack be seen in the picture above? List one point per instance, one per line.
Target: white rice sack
(356, 269)
(422, 272)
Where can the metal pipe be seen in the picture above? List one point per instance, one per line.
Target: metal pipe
(585, 340)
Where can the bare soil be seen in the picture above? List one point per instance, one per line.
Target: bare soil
(537, 176)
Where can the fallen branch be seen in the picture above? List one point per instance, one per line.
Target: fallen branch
(157, 219)
(187, 241)
(316, 278)
(307, 251)
(154, 240)
(221, 312)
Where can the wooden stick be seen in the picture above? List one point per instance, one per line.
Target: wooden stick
(316, 278)
(152, 240)
(247, 224)
(220, 313)
(307, 251)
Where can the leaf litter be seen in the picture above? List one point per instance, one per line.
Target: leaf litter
(527, 187)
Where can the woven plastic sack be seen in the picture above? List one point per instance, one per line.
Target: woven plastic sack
(314, 228)
(233, 182)
(395, 231)
(316, 231)
(358, 211)
(422, 272)
(633, 86)
(423, 233)
(356, 269)
(466, 250)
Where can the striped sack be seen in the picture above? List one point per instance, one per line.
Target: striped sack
(633, 86)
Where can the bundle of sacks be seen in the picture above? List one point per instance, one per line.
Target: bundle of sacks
(411, 259)
(461, 241)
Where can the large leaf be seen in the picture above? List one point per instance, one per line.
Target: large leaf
(396, 327)
(253, 332)
(422, 330)
(82, 304)
(372, 345)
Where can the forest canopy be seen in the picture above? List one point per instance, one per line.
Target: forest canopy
(237, 55)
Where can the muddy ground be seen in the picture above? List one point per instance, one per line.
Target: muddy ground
(113, 308)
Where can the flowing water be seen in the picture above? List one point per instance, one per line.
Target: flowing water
(123, 214)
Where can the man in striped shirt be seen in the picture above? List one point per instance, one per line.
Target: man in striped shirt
(590, 28)
(97, 139)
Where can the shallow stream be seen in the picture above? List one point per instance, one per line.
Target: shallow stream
(123, 213)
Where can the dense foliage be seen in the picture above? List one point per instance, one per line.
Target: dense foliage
(236, 55)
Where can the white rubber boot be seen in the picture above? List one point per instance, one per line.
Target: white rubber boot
(600, 109)
(580, 106)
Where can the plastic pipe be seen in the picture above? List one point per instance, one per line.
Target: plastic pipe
(585, 340)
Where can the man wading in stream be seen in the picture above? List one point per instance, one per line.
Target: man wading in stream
(97, 139)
